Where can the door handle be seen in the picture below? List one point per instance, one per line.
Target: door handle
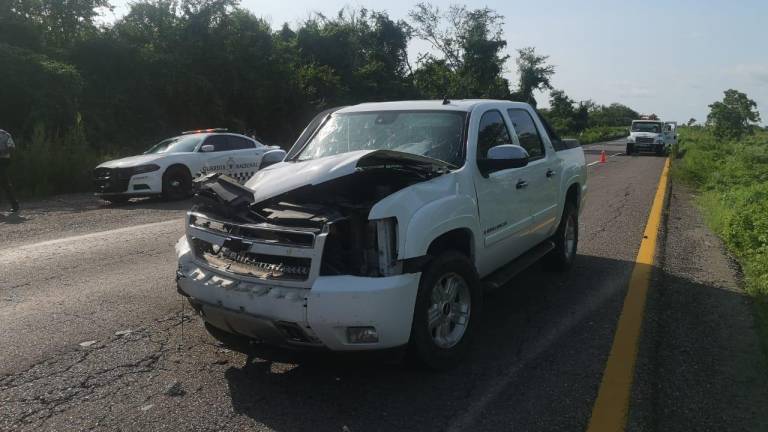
(551, 173)
(521, 184)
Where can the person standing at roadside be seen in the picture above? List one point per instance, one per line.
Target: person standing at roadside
(6, 147)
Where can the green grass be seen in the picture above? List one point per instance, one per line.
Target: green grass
(600, 133)
(732, 177)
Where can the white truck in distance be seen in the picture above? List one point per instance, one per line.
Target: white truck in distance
(382, 227)
(169, 166)
(652, 136)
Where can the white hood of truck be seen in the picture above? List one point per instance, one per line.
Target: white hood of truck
(132, 161)
(286, 176)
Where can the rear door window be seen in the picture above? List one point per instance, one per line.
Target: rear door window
(239, 143)
(527, 133)
(219, 142)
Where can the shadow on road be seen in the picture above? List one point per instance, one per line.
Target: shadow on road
(75, 203)
(537, 316)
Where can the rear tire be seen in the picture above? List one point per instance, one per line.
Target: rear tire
(177, 184)
(447, 309)
(566, 240)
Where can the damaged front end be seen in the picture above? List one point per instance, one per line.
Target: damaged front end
(304, 266)
(330, 218)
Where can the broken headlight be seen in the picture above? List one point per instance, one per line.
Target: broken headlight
(386, 246)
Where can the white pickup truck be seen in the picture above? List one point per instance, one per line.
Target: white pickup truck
(652, 136)
(383, 226)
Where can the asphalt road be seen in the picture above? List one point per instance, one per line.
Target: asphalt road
(73, 272)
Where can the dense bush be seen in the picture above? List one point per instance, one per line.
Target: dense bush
(46, 164)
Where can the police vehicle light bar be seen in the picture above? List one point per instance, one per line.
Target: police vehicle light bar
(205, 131)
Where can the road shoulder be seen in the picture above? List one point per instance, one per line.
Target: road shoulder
(699, 365)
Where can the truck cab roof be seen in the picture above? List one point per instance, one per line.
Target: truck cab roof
(438, 105)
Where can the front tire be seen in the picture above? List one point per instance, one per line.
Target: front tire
(630, 149)
(177, 184)
(447, 308)
(566, 240)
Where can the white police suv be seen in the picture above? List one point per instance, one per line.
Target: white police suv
(169, 166)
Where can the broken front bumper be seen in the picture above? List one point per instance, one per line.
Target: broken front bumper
(318, 315)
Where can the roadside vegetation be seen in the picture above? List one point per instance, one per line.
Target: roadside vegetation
(76, 91)
(602, 133)
(727, 160)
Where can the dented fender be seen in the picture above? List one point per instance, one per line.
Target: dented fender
(424, 211)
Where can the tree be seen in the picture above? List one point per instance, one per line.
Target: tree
(534, 72)
(561, 111)
(691, 122)
(734, 116)
(365, 50)
(614, 114)
(60, 23)
(565, 115)
(471, 43)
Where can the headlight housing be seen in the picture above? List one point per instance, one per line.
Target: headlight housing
(630, 139)
(386, 246)
(141, 169)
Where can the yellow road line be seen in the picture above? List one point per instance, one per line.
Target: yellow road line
(612, 404)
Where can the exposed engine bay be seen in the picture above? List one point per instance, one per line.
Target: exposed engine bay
(337, 207)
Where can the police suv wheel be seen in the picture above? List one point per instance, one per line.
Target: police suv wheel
(177, 184)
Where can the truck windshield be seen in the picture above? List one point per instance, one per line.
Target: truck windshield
(646, 127)
(435, 134)
(179, 144)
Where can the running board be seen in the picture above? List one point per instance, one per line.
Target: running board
(503, 275)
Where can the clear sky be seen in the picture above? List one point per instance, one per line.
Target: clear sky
(672, 58)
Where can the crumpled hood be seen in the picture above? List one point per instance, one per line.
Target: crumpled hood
(286, 176)
(132, 161)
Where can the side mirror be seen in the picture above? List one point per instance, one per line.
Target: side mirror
(207, 148)
(503, 157)
(272, 157)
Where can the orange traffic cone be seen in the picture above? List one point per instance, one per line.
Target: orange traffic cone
(602, 157)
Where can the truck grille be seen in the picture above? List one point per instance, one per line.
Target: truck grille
(256, 265)
(261, 251)
(261, 233)
(644, 140)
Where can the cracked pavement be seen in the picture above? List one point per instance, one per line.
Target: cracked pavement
(73, 271)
